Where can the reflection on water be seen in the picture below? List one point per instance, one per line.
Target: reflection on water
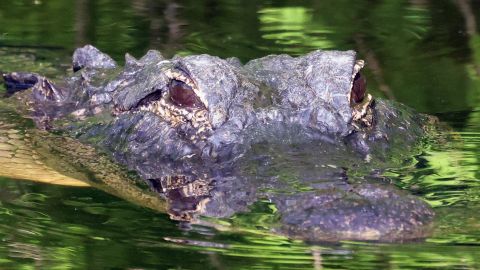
(293, 28)
(423, 53)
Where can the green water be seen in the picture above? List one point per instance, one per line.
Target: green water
(423, 53)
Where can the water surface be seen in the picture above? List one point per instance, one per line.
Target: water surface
(423, 53)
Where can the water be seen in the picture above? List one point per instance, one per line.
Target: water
(423, 53)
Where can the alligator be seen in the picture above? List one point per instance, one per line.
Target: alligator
(205, 132)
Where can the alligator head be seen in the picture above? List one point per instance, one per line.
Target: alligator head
(160, 116)
(212, 108)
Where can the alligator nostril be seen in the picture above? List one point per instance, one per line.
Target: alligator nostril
(76, 68)
(359, 88)
(17, 81)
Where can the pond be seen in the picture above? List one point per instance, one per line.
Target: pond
(422, 53)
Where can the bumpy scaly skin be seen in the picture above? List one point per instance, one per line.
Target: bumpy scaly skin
(170, 119)
(319, 81)
(240, 105)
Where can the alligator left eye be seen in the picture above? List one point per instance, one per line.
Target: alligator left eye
(183, 95)
(359, 88)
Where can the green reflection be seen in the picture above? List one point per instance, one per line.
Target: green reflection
(292, 26)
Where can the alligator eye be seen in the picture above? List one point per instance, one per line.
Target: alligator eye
(359, 88)
(183, 95)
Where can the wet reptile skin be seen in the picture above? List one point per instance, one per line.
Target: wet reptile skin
(197, 161)
(27, 153)
(19, 160)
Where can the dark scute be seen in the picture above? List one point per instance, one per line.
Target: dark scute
(183, 95)
(91, 57)
(359, 88)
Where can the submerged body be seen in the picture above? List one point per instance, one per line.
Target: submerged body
(192, 119)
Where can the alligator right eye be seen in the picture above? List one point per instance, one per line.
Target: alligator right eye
(183, 95)
(359, 88)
